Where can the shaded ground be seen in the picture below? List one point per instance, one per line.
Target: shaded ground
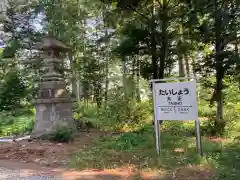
(98, 155)
(16, 174)
(13, 170)
(44, 152)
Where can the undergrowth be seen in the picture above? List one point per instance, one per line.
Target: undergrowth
(11, 124)
(135, 145)
(178, 151)
(63, 134)
(121, 116)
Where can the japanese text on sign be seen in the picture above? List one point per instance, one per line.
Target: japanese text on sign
(176, 101)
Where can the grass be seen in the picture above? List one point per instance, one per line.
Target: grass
(137, 149)
(178, 151)
(16, 124)
(135, 145)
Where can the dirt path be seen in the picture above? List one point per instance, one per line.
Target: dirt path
(12, 170)
(45, 153)
(16, 170)
(43, 160)
(46, 159)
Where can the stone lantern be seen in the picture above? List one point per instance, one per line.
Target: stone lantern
(53, 104)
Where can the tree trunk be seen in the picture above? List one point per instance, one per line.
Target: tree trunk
(193, 59)
(187, 65)
(164, 40)
(181, 66)
(164, 48)
(78, 88)
(106, 74)
(138, 95)
(84, 83)
(97, 93)
(181, 54)
(124, 78)
(104, 13)
(133, 87)
(219, 123)
(74, 75)
(154, 44)
(74, 85)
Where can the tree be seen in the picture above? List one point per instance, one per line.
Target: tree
(219, 28)
(153, 35)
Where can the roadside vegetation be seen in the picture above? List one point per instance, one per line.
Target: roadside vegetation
(129, 139)
(115, 48)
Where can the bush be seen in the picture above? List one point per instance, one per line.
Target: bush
(126, 116)
(205, 110)
(85, 114)
(120, 114)
(12, 90)
(63, 134)
(15, 125)
(231, 111)
(125, 141)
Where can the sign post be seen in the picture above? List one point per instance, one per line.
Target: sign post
(175, 101)
(156, 124)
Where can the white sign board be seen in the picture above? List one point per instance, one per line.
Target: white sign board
(175, 101)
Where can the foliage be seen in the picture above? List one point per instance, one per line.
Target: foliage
(178, 149)
(62, 134)
(125, 142)
(113, 46)
(139, 151)
(122, 114)
(11, 124)
(86, 113)
(12, 90)
(119, 115)
(149, 38)
(207, 110)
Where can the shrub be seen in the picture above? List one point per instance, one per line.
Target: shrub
(205, 110)
(125, 141)
(12, 90)
(128, 141)
(85, 115)
(63, 134)
(15, 125)
(231, 112)
(120, 114)
(125, 116)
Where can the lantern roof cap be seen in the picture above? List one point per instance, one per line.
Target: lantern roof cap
(50, 43)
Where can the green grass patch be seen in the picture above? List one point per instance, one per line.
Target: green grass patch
(139, 149)
(178, 150)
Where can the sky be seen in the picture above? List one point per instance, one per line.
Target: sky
(3, 4)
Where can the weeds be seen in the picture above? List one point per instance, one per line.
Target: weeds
(12, 125)
(63, 134)
(122, 116)
(134, 143)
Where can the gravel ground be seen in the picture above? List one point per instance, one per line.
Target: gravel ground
(11, 174)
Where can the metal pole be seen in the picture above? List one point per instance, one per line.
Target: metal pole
(198, 130)
(157, 137)
(156, 123)
(198, 137)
